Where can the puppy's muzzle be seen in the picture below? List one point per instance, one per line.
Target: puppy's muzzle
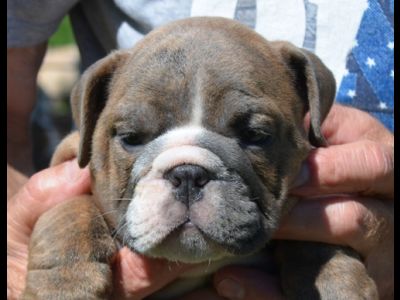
(188, 182)
(192, 176)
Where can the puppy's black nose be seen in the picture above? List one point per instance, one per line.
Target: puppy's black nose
(188, 181)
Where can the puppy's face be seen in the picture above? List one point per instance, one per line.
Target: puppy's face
(195, 136)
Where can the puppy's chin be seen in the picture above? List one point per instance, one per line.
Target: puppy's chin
(188, 244)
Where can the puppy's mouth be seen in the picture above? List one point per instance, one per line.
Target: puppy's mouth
(218, 219)
(188, 243)
(187, 225)
(190, 206)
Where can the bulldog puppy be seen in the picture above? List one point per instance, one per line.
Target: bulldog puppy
(193, 138)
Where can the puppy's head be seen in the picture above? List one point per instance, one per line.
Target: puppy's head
(195, 135)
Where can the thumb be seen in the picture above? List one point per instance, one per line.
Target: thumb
(43, 191)
(364, 167)
(246, 284)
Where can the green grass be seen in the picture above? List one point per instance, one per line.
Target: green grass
(63, 36)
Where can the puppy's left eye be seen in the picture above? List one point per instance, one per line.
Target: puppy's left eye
(256, 137)
(130, 140)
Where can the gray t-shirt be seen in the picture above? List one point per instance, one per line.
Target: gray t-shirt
(101, 25)
(354, 39)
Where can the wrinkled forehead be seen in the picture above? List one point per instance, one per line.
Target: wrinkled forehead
(203, 79)
(227, 63)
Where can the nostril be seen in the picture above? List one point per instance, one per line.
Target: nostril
(175, 181)
(202, 179)
(188, 175)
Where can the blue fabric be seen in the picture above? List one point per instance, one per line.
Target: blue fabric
(369, 85)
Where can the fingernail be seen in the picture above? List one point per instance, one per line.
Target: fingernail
(303, 176)
(230, 289)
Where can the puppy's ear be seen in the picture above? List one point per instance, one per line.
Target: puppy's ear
(315, 84)
(89, 97)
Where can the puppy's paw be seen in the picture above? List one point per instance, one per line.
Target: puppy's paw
(70, 253)
(84, 280)
(317, 271)
(344, 276)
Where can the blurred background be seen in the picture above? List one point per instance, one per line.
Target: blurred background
(51, 119)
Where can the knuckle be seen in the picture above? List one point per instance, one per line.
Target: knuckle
(378, 171)
(374, 229)
(367, 223)
(366, 165)
(38, 188)
(349, 216)
(33, 186)
(378, 159)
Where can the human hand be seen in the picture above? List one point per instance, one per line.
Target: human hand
(359, 158)
(359, 162)
(359, 165)
(135, 276)
(239, 283)
(41, 192)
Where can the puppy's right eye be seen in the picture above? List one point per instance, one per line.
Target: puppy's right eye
(251, 137)
(130, 140)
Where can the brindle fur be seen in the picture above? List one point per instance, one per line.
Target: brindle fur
(71, 248)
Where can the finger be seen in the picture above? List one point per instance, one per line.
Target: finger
(43, 191)
(246, 284)
(359, 223)
(346, 124)
(136, 276)
(206, 293)
(362, 167)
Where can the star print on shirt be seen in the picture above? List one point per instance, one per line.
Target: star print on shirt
(351, 93)
(370, 62)
(382, 105)
(368, 80)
